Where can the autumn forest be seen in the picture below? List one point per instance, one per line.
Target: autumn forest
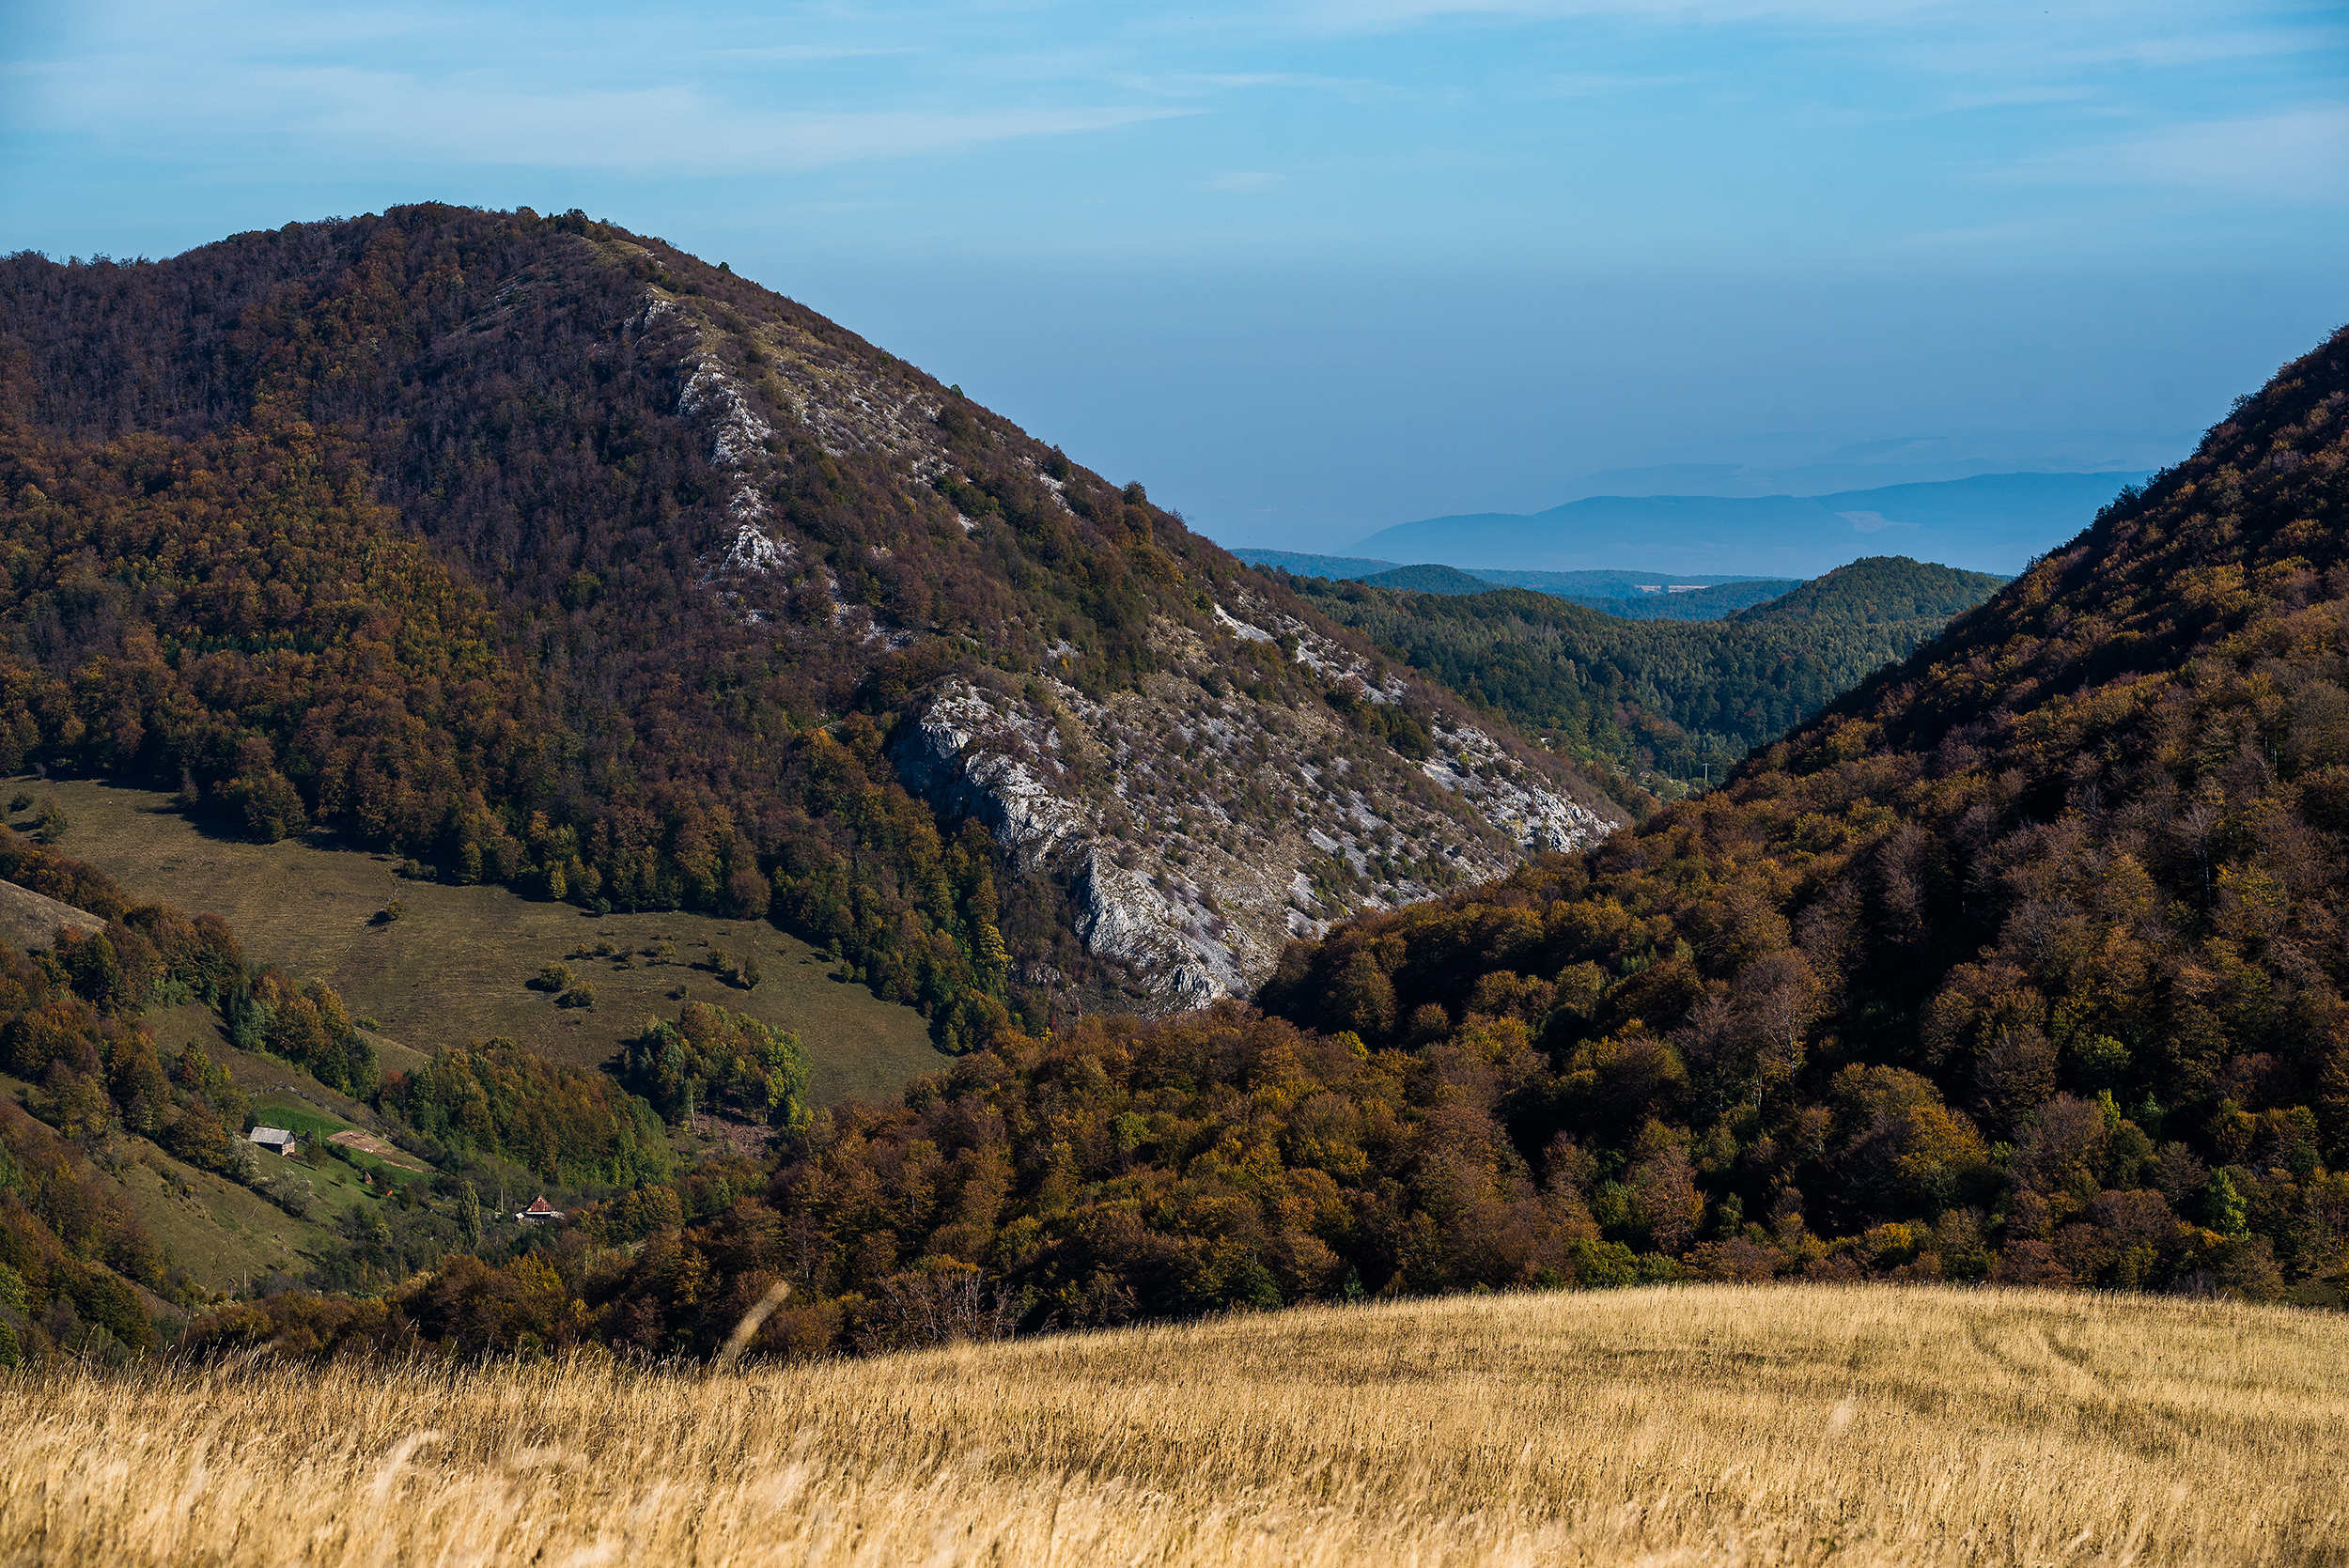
(2013, 950)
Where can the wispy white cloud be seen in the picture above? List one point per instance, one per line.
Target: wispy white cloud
(481, 118)
(2298, 156)
(2039, 235)
(1196, 84)
(792, 53)
(2031, 37)
(2095, 44)
(1365, 15)
(1593, 83)
(1632, 127)
(2194, 28)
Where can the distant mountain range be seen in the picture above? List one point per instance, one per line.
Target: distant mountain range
(1989, 522)
(1795, 463)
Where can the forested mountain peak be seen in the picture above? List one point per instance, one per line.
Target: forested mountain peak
(1880, 589)
(548, 555)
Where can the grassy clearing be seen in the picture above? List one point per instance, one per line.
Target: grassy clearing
(224, 1234)
(362, 1150)
(262, 1076)
(29, 920)
(1761, 1425)
(457, 963)
(282, 1110)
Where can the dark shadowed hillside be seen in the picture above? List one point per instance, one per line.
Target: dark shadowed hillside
(1894, 592)
(1426, 580)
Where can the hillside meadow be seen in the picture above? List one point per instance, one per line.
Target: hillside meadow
(459, 962)
(1770, 1424)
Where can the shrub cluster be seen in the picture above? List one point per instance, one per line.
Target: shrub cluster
(712, 1060)
(497, 1098)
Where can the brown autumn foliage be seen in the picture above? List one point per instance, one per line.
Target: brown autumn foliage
(2027, 951)
(2023, 964)
(402, 527)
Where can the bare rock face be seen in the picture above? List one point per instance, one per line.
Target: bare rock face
(1201, 828)
(1266, 778)
(969, 756)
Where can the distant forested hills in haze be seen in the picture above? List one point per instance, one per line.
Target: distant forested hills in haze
(1990, 522)
(1669, 697)
(1709, 602)
(1308, 564)
(1641, 596)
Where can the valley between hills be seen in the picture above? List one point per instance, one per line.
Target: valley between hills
(897, 891)
(1657, 701)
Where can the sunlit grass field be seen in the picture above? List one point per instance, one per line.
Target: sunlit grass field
(1735, 1424)
(459, 962)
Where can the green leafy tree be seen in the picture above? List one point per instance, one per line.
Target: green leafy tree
(718, 1060)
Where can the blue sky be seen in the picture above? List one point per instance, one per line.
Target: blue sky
(1311, 269)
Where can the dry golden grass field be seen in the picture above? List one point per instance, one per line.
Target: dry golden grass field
(459, 962)
(1724, 1424)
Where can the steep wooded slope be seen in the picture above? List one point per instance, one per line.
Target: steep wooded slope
(545, 553)
(129, 1197)
(2023, 963)
(2041, 930)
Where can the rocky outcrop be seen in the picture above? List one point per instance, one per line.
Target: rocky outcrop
(1267, 778)
(1201, 828)
(971, 757)
(1124, 916)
